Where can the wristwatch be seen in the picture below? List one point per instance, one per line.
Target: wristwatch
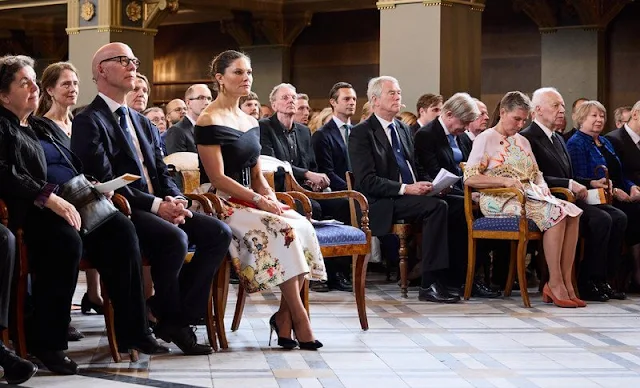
(256, 198)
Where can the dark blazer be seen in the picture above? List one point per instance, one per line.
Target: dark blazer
(586, 156)
(331, 154)
(433, 152)
(101, 145)
(180, 137)
(274, 143)
(567, 135)
(375, 169)
(555, 169)
(628, 153)
(23, 166)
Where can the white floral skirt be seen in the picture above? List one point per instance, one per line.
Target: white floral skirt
(269, 249)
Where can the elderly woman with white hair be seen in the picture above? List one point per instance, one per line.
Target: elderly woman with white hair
(501, 157)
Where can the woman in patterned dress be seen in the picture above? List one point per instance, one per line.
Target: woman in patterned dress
(272, 245)
(503, 158)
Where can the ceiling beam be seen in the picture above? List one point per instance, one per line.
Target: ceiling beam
(19, 4)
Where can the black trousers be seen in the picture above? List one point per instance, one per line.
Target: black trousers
(443, 226)
(7, 258)
(632, 210)
(603, 229)
(55, 249)
(181, 291)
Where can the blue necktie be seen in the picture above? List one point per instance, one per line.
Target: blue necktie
(401, 160)
(347, 129)
(122, 113)
(457, 154)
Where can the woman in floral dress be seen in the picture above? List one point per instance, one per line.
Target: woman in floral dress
(272, 245)
(503, 158)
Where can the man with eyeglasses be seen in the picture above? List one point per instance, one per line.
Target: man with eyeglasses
(114, 140)
(175, 111)
(157, 118)
(180, 137)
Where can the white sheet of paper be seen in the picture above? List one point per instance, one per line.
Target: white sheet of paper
(535, 192)
(443, 180)
(596, 197)
(325, 222)
(116, 183)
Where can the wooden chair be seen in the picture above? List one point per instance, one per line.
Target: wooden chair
(401, 229)
(183, 167)
(357, 240)
(20, 291)
(519, 230)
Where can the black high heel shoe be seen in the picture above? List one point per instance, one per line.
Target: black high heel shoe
(312, 345)
(87, 305)
(286, 343)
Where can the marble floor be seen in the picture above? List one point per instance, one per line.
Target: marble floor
(480, 343)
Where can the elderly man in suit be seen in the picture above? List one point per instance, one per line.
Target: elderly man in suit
(179, 137)
(602, 226)
(626, 142)
(480, 124)
(442, 144)
(381, 153)
(290, 141)
(115, 140)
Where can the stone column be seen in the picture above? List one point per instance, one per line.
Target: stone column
(94, 23)
(431, 46)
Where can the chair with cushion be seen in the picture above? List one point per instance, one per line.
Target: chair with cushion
(519, 230)
(335, 240)
(183, 168)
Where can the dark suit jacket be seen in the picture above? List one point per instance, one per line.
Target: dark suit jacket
(567, 135)
(375, 169)
(628, 153)
(331, 154)
(433, 152)
(274, 143)
(555, 170)
(180, 138)
(103, 149)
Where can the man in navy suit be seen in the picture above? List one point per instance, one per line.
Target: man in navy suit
(112, 140)
(331, 141)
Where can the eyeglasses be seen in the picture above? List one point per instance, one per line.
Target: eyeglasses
(157, 120)
(201, 98)
(124, 60)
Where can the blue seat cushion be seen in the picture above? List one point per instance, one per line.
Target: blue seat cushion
(502, 224)
(335, 235)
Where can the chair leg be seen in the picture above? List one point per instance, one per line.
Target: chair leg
(110, 325)
(22, 271)
(237, 315)
(211, 323)
(220, 302)
(471, 268)
(522, 274)
(359, 276)
(512, 268)
(403, 255)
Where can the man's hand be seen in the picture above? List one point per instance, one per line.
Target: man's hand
(64, 209)
(320, 181)
(635, 194)
(579, 190)
(174, 210)
(621, 195)
(418, 188)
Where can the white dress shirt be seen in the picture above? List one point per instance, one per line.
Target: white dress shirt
(340, 124)
(387, 131)
(472, 137)
(634, 136)
(113, 106)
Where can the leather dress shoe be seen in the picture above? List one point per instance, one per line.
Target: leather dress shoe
(437, 293)
(184, 337)
(57, 362)
(16, 369)
(318, 286)
(147, 345)
(480, 290)
(74, 334)
(340, 283)
(611, 293)
(590, 291)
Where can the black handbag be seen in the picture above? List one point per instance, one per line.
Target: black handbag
(94, 208)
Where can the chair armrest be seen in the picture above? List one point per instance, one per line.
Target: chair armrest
(568, 194)
(204, 201)
(215, 201)
(4, 213)
(122, 204)
(286, 199)
(304, 200)
(505, 190)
